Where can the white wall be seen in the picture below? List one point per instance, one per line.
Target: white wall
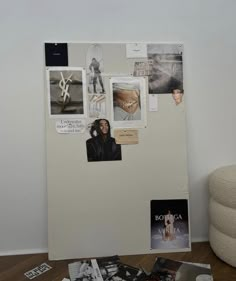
(207, 30)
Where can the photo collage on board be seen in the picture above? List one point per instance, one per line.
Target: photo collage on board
(103, 100)
(86, 94)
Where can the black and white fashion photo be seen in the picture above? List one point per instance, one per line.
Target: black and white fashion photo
(167, 68)
(95, 67)
(101, 146)
(66, 92)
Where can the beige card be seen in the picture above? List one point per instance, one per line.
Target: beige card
(127, 136)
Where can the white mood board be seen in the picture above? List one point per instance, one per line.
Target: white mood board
(103, 208)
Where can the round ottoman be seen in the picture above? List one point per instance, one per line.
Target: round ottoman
(222, 213)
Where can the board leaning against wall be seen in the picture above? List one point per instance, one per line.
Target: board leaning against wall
(133, 199)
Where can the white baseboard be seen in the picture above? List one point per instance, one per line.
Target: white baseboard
(23, 252)
(40, 251)
(200, 239)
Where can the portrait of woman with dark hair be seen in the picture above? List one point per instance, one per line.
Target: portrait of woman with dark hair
(101, 146)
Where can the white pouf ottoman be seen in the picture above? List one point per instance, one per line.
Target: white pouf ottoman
(222, 213)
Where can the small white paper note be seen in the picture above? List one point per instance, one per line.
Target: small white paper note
(70, 126)
(35, 272)
(153, 102)
(65, 279)
(136, 50)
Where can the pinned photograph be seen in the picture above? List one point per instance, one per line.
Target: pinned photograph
(170, 225)
(177, 95)
(142, 67)
(97, 106)
(101, 146)
(99, 269)
(95, 67)
(66, 92)
(136, 50)
(167, 68)
(128, 101)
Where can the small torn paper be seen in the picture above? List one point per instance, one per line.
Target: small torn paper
(70, 126)
(38, 270)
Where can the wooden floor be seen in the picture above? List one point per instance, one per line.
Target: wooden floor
(12, 268)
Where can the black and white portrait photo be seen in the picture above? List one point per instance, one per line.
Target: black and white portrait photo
(167, 68)
(66, 92)
(95, 67)
(170, 224)
(101, 146)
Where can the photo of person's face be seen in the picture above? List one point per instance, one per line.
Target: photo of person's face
(102, 146)
(177, 95)
(104, 127)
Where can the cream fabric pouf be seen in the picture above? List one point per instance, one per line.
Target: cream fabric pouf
(222, 213)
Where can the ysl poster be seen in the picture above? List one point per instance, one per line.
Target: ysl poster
(170, 225)
(66, 92)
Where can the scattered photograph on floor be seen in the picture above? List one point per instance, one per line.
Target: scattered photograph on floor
(171, 270)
